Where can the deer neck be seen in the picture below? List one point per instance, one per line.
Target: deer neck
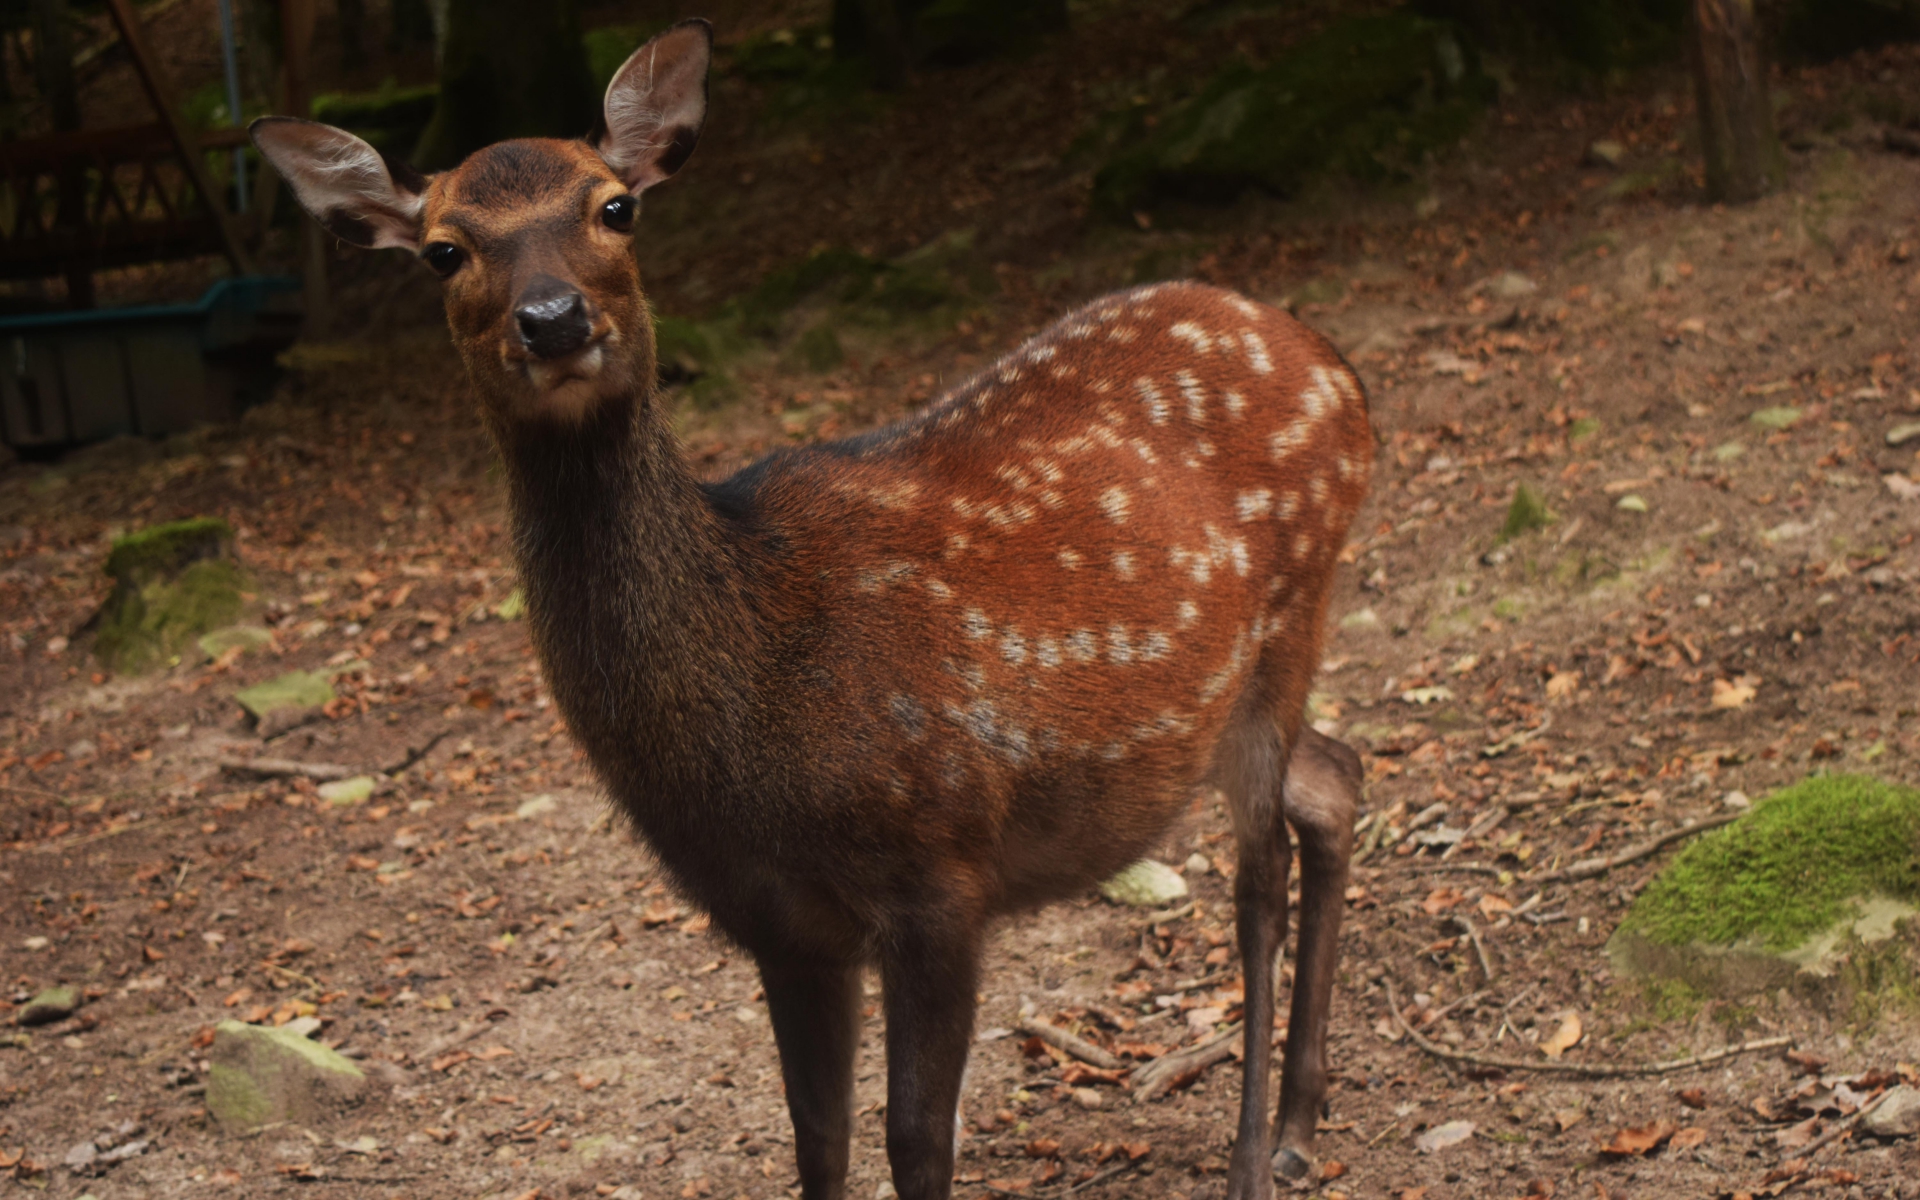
(636, 599)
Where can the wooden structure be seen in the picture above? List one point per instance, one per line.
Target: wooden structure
(80, 201)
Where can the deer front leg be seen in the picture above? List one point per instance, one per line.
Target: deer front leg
(1260, 917)
(816, 1022)
(929, 974)
(1321, 795)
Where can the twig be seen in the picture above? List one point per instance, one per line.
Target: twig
(1589, 867)
(1160, 1075)
(1453, 868)
(1382, 1135)
(325, 772)
(1602, 1071)
(1163, 916)
(1840, 1130)
(414, 756)
(1440, 1014)
(1479, 947)
(1204, 981)
(81, 839)
(1080, 1048)
(1102, 1177)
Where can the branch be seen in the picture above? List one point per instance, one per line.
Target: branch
(1842, 1129)
(1584, 1070)
(1589, 867)
(1081, 1049)
(325, 772)
(1169, 1071)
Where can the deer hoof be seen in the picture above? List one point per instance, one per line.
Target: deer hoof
(1288, 1164)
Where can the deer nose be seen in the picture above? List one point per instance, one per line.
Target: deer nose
(552, 316)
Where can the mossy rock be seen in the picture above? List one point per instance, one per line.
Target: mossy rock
(285, 700)
(172, 583)
(1814, 873)
(1527, 513)
(261, 1075)
(1368, 96)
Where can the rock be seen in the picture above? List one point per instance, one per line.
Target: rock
(1783, 896)
(1440, 1137)
(122, 1153)
(244, 637)
(1088, 1098)
(1631, 502)
(81, 1157)
(1901, 434)
(261, 1075)
(172, 583)
(1145, 884)
(1606, 152)
(884, 1190)
(1368, 95)
(1897, 1116)
(1363, 618)
(1778, 417)
(536, 806)
(343, 792)
(52, 1004)
(1510, 285)
(285, 700)
(1198, 864)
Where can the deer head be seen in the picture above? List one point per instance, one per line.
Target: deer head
(533, 238)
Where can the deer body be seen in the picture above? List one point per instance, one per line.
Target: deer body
(864, 698)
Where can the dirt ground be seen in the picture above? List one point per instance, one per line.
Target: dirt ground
(1717, 607)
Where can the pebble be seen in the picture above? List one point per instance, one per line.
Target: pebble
(1900, 434)
(1198, 864)
(1088, 1098)
(1898, 1116)
(1440, 1137)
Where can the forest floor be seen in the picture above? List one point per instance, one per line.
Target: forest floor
(1727, 597)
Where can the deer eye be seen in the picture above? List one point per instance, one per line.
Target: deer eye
(617, 214)
(444, 257)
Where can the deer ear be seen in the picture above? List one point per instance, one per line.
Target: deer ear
(355, 192)
(655, 106)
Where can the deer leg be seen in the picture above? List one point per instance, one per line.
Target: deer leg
(816, 1022)
(929, 974)
(1260, 917)
(1321, 795)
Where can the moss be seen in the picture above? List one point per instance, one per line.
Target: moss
(819, 350)
(172, 583)
(1527, 513)
(1367, 96)
(391, 117)
(1790, 869)
(1879, 980)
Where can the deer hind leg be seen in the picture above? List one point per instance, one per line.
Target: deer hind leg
(929, 971)
(816, 1021)
(1251, 771)
(1321, 796)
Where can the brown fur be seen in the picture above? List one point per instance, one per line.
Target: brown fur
(867, 697)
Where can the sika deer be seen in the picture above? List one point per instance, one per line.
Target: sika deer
(864, 698)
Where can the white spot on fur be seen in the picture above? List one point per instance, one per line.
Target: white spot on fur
(1322, 397)
(1187, 331)
(1013, 647)
(939, 590)
(1236, 405)
(1081, 646)
(1194, 394)
(1047, 651)
(1253, 504)
(1123, 563)
(1069, 558)
(976, 625)
(1257, 353)
(1189, 613)
(1285, 440)
(1150, 396)
(1115, 502)
(1155, 646)
(1119, 647)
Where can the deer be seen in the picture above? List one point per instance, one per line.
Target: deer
(867, 698)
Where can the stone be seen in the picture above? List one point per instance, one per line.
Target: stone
(1901, 434)
(1606, 152)
(285, 700)
(172, 583)
(1441, 1137)
(243, 637)
(52, 1004)
(343, 792)
(1088, 1098)
(1778, 417)
(536, 806)
(1198, 864)
(1898, 1116)
(1511, 285)
(1145, 884)
(261, 1075)
(1631, 502)
(80, 1157)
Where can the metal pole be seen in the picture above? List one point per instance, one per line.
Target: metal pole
(233, 104)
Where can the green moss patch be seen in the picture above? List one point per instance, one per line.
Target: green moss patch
(1793, 868)
(1367, 96)
(172, 583)
(1527, 513)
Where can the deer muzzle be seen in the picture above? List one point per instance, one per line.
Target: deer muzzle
(552, 318)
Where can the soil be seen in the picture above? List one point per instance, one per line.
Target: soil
(1716, 608)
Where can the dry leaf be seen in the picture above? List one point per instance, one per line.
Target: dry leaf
(1565, 1038)
(1793, 1137)
(1692, 1097)
(1567, 1118)
(1688, 1138)
(1441, 899)
(1491, 906)
(1563, 684)
(1639, 1139)
(1734, 693)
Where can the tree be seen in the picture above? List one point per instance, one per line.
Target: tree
(1744, 160)
(508, 69)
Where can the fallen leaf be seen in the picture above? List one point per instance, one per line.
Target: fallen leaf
(1043, 1148)
(1332, 1169)
(1794, 1137)
(1491, 906)
(1565, 1038)
(1563, 684)
(1734, 693)
(1567, 1118)
(1441, 899)
(1692, 1097)
(1639, 1139)
(1688, 1138)
(1440, 1137)
(1808, 1062)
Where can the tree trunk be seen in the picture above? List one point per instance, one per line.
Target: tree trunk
(508, 69)
(1744, 160)
(54, 53)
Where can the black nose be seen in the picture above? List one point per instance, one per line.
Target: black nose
(553, 318)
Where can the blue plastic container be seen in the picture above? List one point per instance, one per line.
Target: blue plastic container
(67, 378)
